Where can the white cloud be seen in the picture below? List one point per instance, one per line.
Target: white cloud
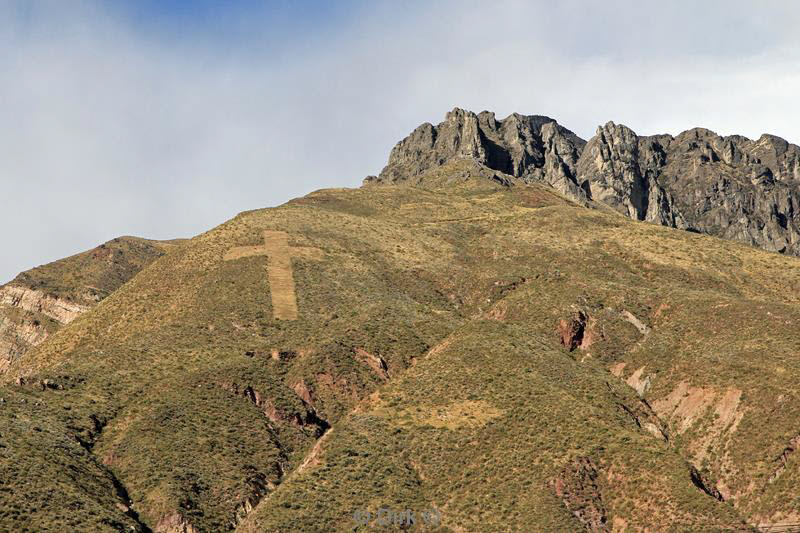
(106, 129)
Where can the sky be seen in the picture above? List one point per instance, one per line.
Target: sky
(164, 118)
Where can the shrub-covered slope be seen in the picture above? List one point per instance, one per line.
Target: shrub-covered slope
(41, 300)
(501, 356)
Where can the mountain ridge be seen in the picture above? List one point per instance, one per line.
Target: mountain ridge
(39, 301)
(731, 186)
(500, 355)
(500, 348)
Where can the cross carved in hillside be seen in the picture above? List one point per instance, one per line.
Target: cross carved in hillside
(279, 269)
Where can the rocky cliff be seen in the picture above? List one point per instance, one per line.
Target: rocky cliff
(533, 148)
(730, 187)
(40, 301)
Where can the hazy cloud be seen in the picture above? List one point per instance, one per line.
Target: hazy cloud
(114, 121)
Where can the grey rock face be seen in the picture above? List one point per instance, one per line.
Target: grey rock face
(731, 187)
(620, 170)
(533, 148)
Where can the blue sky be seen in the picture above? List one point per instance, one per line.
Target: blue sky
(164, 118)
(234, 25)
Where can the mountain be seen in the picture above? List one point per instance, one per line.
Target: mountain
(488, 357)
(40, 301)
(730, 187)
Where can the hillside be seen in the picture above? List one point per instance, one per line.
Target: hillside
(39, 301)
(731, 187)
(500, 356)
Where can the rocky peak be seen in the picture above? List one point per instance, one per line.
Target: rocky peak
(533, 148)
(731, 187)
(620, 169)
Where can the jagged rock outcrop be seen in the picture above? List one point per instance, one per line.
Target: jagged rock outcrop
(533, 148)
(578, 489)
(731, 187)
(40, 301)
(620, 170)
(571, 331)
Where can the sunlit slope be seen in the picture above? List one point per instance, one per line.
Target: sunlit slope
(498, 432)
(705, 329)
(428, 337)
(90, 276)
(41, 300)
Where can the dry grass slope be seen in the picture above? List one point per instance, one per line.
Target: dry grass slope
(185, 392)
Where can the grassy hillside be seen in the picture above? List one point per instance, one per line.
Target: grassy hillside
(40, 301)
(92, 275)
(498, 356)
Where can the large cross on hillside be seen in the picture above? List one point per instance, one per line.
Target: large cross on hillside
(279, 269)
